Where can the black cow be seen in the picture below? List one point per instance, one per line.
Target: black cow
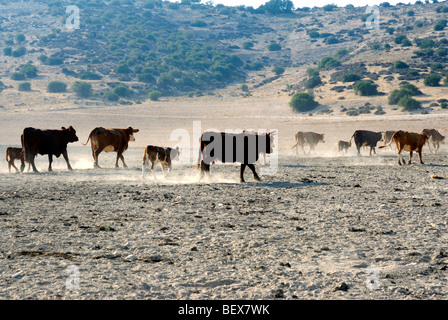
(50, 142)
(244, 148)
(366, 138)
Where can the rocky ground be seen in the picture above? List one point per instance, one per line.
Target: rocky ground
(341, 227)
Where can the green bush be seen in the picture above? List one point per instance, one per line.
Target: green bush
(408, 103)
(154, 95)
(248, 45)
(89, 75)
(433, 80)
(29, 71)
(56, 86)
(82, 89)
(406, 89)
(350, 77)
(274, 47)
(123, 91)
(20, 37)
(17, 76)
(444, 105)
(278, 70)
(303, 102)
(442, 52)
(20, 51)
(366, 88)
(111, 96)
(7, 51)
(400, 65)
(146, 78)
(328, 62)
(313, 82)
(25, 86)
(440, 25)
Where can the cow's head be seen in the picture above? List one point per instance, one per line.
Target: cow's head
(70, 133)
(322, 137)
(130, 131)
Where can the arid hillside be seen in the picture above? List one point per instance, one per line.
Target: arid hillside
(125, 51)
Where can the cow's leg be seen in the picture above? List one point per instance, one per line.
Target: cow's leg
(400, 158)
(243, 166)
(419, 151)
(205, 168)
(122, 160)
(95, 154)
(410, 157)
(14, 166)
(252, 167)
(65, 155)
(50, 161)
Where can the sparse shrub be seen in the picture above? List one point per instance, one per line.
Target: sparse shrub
(313, 34)
(442, 52)
(278, 70)
(312, 82)
(244, 88)
(329, 7)
(89, 75)
(350, 77)
(29, 71)
(248, 45)
(412, 89)
(123, 91)
(436, 66)
(366, 88)
(444, 105)
(20, 37)
(20, 51)
(405, 90)
(82, 89)
(400, 65)
(274, 47)
(433, 80)
(7, 51)
(408, 103)
(146, 78)
(154, 95)
(25, 86)
(199, 24)
(331, 40)
(303, 102)
(56, 86)
(111, 96)
(17, 76)
(440, 25)
(328, 62)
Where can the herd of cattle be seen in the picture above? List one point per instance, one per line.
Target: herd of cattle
(245, 147)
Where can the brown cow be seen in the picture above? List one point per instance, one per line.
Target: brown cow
(434, 137)
(408, 141)
(13, 154)
(344, 145)
(311, 138)
(159, 155)
(50, 142)
(110, 140)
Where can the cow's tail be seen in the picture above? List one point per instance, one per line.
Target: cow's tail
(297, 141)
(350, 141)
(87, 139)
(7, 155)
